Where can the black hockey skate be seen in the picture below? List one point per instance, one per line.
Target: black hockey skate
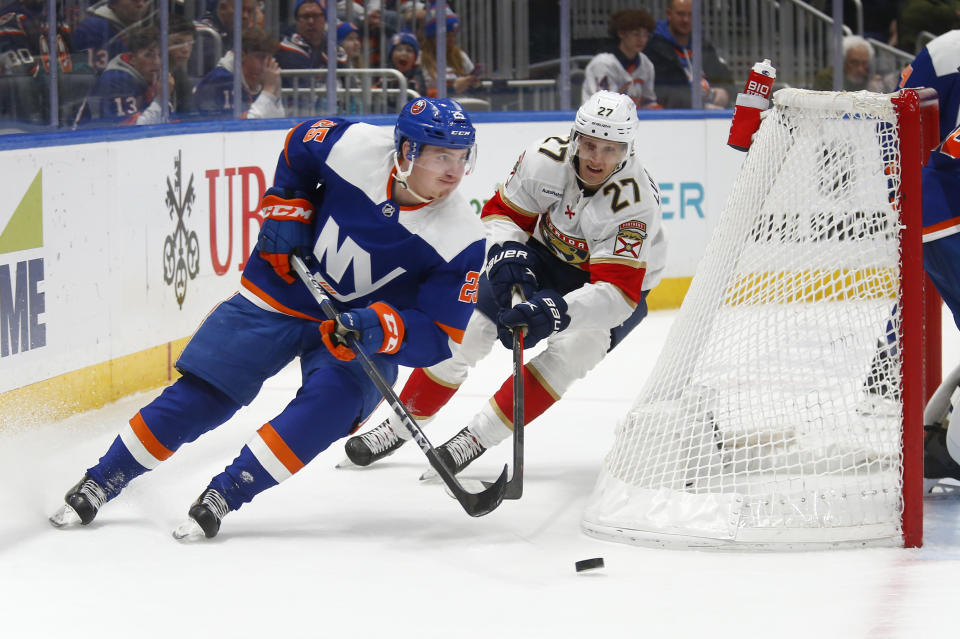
(205, 516)
(83, 501)
(460, 451)
(937, 462)
(373, 445)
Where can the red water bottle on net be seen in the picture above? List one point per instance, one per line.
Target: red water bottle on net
(754, 100)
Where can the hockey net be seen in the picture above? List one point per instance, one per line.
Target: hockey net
(774, 416)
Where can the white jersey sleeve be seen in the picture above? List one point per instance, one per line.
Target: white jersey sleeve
(627, 251)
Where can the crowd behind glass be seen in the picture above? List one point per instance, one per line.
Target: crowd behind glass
(132, 62)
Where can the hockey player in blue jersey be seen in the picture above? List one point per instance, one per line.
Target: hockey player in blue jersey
(938, 66)
(398, 250)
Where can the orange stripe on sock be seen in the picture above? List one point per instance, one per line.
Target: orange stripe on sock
(279, 448)
(148, 439)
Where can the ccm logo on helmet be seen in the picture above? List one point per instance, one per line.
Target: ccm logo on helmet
(460, 132)
(418, 107)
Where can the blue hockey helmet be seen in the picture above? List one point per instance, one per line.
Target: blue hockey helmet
(436, 121)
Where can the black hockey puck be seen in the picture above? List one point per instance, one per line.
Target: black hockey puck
(589, 564)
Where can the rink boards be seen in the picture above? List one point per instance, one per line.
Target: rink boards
(115, 244)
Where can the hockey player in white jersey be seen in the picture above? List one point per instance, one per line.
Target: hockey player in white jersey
(577, 227)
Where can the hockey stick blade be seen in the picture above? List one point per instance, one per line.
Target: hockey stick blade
(475, 504)
(514, 488)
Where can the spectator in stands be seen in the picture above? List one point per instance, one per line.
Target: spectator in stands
(625, 69)
(349, 56)
(104, 32)
(127, 92)
(376, 26)
(20, 33)
(221, 21)
(412, 12)
(461, 75)
(348, 39)
(260, 84)
(857, 68)
(934, 16)
(180, 48)
(403, 52)
(305, 46)
(671, 52)
(23, 33)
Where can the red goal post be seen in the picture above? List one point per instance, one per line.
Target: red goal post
(785, 410)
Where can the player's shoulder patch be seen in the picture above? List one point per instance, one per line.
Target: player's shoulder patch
(630, 237)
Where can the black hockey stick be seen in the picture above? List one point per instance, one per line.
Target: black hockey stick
(476, 504)
(515, 485)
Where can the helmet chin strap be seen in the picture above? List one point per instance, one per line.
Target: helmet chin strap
(401, 178)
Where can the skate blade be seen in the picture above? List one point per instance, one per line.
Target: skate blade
(64, 517)
(430, 476)
(941, 488)
(188, 531)
(346, 463)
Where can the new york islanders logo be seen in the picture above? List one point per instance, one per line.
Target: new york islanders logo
(418, 107)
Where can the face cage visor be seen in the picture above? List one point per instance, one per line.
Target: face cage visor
(441, 160)
(588, 148)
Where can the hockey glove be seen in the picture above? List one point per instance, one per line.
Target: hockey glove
(543, 315)
(287, 227)
(511, 265)
(378, 328)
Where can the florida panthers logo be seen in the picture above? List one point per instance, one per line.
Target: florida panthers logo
(572, 250)
(418, 107)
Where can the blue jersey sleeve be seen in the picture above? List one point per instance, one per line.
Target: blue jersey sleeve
(301, 164)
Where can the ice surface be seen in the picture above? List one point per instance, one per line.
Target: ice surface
(373, 552)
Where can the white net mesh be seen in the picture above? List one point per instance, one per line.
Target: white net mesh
(772, 417)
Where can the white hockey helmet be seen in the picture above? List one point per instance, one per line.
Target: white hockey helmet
(608, 116)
